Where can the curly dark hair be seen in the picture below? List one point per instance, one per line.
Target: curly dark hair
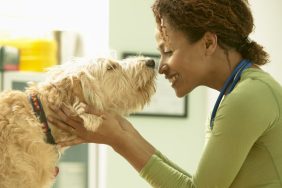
(230, 20)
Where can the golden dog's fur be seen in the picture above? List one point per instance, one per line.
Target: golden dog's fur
(26, 160)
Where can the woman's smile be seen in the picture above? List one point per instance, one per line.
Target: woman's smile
(172, 79)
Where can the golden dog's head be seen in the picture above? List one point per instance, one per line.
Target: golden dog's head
(123, 86)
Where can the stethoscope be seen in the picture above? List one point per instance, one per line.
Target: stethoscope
(229, 85)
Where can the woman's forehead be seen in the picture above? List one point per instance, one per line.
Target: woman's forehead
(163, 34)
(159, 39)
(158, 35)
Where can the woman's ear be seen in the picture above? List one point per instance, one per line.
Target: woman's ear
(210, 40)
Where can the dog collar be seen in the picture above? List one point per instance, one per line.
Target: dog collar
(39, 112)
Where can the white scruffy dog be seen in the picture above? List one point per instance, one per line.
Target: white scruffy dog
(28, 153)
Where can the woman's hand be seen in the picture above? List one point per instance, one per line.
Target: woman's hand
(114, 131)
(107, 133)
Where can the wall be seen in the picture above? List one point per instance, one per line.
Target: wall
(32, 18)
(132, 29)
(268, 29)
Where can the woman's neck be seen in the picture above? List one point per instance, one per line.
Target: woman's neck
(221, 66)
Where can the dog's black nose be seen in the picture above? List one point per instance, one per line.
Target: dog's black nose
(150, 63)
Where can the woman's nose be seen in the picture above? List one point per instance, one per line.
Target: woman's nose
(163, 68)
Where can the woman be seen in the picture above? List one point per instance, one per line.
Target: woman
(206, 43)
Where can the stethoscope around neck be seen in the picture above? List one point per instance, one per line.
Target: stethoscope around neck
(229, 85)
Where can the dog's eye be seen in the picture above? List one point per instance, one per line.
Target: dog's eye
(111, 67)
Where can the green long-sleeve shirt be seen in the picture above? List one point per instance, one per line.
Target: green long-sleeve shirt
(243, 150)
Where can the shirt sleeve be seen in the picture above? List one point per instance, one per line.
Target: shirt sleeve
(161, 173)
(237, 127)
(170, 163)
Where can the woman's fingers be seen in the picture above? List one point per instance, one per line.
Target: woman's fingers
(91, 110)
(60, 124)
(67, 143)
(71, 115)
(64, 119)
(61, 117)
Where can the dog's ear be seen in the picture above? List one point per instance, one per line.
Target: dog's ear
(60, 91)
(91, 91)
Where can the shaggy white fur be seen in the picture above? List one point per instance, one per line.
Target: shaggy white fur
(26, 160)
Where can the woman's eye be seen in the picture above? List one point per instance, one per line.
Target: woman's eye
(169, 52)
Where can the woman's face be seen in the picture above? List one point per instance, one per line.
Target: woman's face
(182, 63)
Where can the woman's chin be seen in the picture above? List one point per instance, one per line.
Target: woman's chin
(181, 92)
